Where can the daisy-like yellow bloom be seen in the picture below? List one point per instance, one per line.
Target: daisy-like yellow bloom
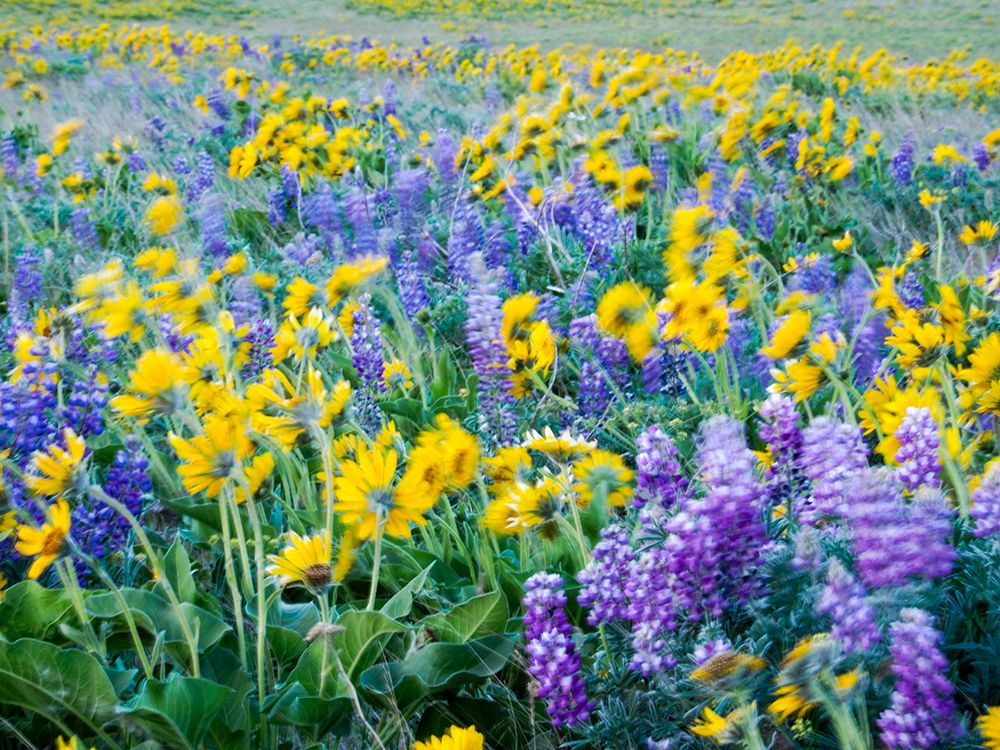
(623, 306)
(348, 278)
(602, 474)
(455, 738)
(164, 215)
(369, 495)
(952, 318)
(983, 376)
(301, 296)
(562, 448)
(212, 458)
(156, 387)
(509, 465)
(947, 154)
(989, 727)
(302, 339)
(788, 335)
(984, 230)
(886, 404)
(445, 457)
(284, 415)
(635, 183)
(726, 666)
(56, 470)
(710, 724)
(396, 374)
(305, 560)
(45, 544)
(63, 133)
(517, 316)
(71, 744)
(928, 200)
(844, 243)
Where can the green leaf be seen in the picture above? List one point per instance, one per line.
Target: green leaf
(55, 682)
(358, 645)
(177, 566)
(30, 610)
(481, 615)
(154, 614)
(321, 715)
(178, 711)
(436, 667)
(401, 603)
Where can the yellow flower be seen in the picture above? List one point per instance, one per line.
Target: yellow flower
(303, 339)
(57, 470)
(927, 200)
(164, 215)
(945, 154)
(348, 278)
(301, 296)
(602, 474)
(788, 335)
(445, 458)
(63, 133)
(563, 448)
(156, 386)
(305, 560)
(211, 459)
(984, 230)
(727, 665)
(455, 738)
(989, 727)
(509, 465)
(369, 496)
(844, 243)
(283, 414)
(71, 744)
(46, 542)
(710, 724)
(396, 374)
(983, 375)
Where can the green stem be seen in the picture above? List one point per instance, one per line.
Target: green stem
(377, 561)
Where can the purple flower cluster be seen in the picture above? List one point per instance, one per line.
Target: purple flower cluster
(986, 502)
(844, 600)
(659, 481)
(780, 431)
(603, 369)
(831, 453)
(918, 456)
(922, 712)
(553, 660)
(894, 541)
(605, 578)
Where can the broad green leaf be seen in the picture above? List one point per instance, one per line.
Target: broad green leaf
(231, 727)
(401, 603)
(436, 667)
(179, 710)
(30, 610)
(358, 645)
(154, 614)
(481, 615)
(321, 715)
(178, 572)
(55, 682)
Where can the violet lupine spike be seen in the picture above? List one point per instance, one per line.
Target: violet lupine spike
(844, 600)
(831, 453)
(366, 345)
(81, 225)
(83, 410)
(901, 165)
(894, 542)
(659, 479)
(919, 445)
(26, 290)
(781, 433)
(605, 576)
(212, 216)
(922, 712)
(488, 353)
(604, 364)
(981, 157)
(359, 212)
(321, 213)
(986, 502)
(553, 660)
(260, 337)
(244, 301)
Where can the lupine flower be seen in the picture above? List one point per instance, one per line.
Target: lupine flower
(919, 443)
(844, 601)
(923, 712)
(986, 502)
(553, 660)
(604, 579)
(831, 453)
(659, 479)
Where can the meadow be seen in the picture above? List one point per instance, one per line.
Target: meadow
(499, 374)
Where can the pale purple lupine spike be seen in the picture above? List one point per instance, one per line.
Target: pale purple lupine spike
(919, 445)
(986, 503)
(844, 600)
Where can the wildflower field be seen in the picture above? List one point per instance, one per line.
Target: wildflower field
(451, 395)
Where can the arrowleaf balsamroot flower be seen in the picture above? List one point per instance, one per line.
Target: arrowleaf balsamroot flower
(455, 738)
(306, 560)
(157, 386)
(45, 543)
(56, 470)
(369, 494)
(212, 458)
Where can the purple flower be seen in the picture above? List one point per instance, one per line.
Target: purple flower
(919, 443)
(659, 481)
(831, 453)
(553, 660)
(604, 579)
(212, 215)
(986, 502)
(892, 541)
(844, 601)
(780, 431)
(901, 166)
(922, 711)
